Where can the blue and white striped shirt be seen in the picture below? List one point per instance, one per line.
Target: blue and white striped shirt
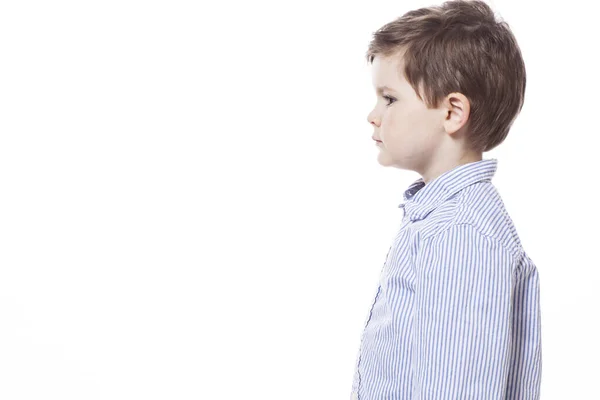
(457, 310)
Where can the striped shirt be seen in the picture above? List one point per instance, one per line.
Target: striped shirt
(457, 309)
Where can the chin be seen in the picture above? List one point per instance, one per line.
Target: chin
(384, 159)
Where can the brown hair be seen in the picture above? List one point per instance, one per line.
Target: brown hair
(460, 47)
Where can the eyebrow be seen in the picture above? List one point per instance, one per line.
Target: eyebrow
(380, 89)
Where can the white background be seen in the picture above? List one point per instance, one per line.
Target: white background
(191, 205)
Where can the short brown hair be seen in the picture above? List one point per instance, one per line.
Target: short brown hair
(460, 47)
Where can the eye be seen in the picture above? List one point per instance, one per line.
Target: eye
(390, 99)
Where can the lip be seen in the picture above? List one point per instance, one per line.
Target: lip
(375, 139)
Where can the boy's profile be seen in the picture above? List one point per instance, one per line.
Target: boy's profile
(457, 311)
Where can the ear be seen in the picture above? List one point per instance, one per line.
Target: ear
(457, 109)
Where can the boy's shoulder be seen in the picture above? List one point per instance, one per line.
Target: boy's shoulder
(480, 206)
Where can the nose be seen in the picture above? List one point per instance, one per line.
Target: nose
(372, 119)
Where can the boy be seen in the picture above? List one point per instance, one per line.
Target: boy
(457, 310)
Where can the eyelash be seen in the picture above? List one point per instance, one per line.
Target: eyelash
(390, 99)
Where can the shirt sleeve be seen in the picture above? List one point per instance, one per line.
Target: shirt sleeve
(463, 319)
(525, 372)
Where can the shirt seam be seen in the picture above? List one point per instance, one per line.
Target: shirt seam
(514, 253)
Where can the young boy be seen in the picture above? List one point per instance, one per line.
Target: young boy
(457, 311)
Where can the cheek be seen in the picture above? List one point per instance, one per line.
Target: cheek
(395, 126)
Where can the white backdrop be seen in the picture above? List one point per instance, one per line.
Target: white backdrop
(191, 205)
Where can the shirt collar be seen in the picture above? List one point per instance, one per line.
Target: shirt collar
(420, 199)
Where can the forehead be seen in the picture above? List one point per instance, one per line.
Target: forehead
(386, 72)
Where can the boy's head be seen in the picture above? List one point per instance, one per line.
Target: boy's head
(453, 82)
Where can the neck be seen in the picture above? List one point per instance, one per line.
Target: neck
(439, 169)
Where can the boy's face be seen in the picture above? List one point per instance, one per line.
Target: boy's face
(411, 134)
